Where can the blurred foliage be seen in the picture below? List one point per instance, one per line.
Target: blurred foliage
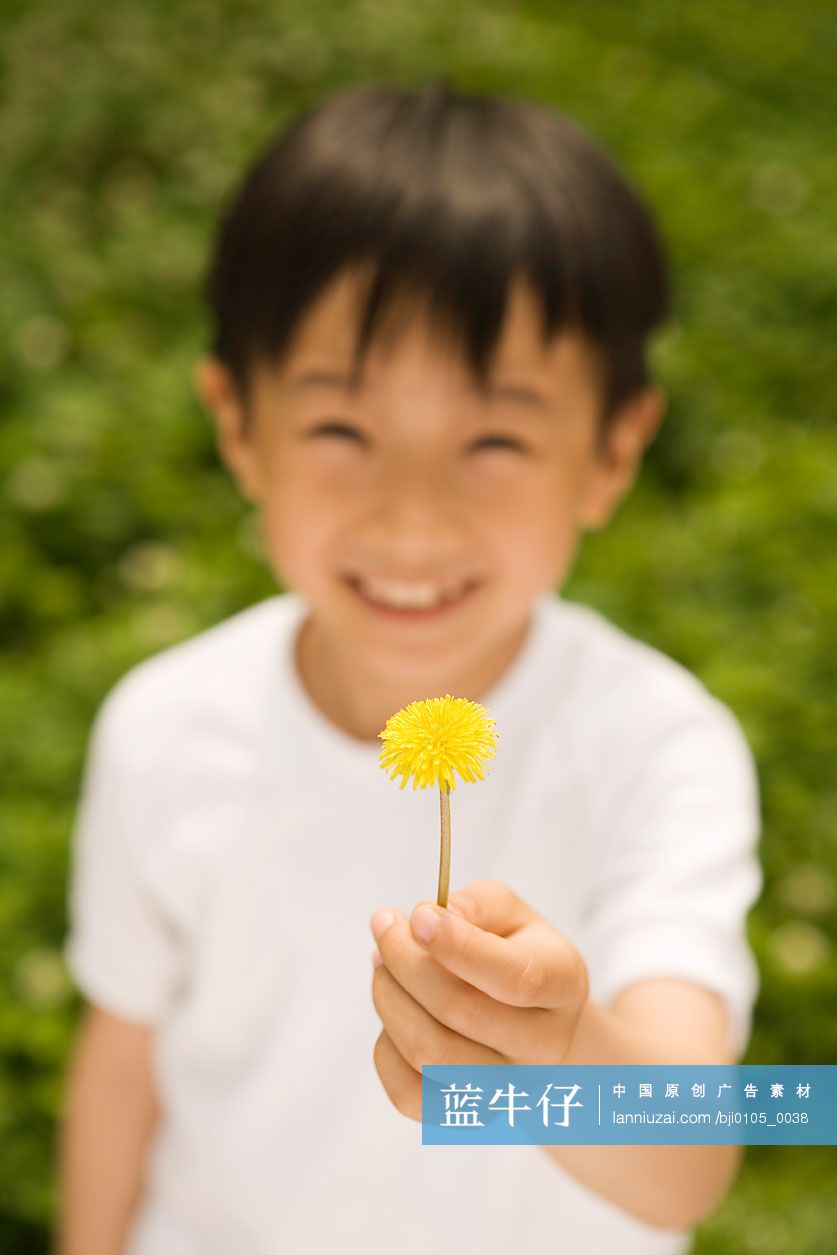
(123, 124)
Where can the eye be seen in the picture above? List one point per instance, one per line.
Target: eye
(337, 429)
(500, 442)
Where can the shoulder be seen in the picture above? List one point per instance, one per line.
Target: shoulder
(211, 684)
(628, 696)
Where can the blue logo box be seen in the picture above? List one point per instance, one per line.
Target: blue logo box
(633, 1105)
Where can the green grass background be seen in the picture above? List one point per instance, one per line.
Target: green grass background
(122, 125)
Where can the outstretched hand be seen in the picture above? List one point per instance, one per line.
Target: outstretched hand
(494, 984)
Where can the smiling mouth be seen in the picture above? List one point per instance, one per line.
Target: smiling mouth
(436, 609)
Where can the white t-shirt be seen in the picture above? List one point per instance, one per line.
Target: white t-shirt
(231, 845)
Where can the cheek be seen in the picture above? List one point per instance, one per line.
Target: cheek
(538, 507)
(298, 526)
(532, 528)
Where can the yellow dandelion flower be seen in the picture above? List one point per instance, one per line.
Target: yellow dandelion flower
(427, 742)
(430, 740)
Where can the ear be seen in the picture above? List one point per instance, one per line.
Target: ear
(235, 440)
(616, 464)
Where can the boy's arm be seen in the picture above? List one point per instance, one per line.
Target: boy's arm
(678, 825)
(654, 1021)
(110, 1112)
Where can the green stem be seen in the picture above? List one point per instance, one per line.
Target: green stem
(444, 856)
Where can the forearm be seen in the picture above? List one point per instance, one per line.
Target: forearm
(103, 1140)
(671, 1187)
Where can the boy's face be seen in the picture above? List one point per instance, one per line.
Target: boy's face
(416, 485)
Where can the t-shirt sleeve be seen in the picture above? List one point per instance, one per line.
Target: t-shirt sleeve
(677, 832)
(121, 950)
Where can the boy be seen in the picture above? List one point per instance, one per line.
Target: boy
(422, 488)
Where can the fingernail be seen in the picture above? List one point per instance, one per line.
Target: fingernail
(424, 921)
(376, 958)
(380, 922)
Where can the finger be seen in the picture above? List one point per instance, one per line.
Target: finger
(460, 904)
(465, 904)
(534, 966)
(418, 1037)
(494, 906)
(401, 1082)
(517, 1034)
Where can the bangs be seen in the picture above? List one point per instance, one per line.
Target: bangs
(440, 201)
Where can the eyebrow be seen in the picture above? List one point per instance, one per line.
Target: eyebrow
(311, 379)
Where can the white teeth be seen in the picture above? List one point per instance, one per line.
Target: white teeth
(408, 596)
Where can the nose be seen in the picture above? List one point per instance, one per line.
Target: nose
(415, 509)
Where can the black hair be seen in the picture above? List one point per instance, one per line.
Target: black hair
(441, 196)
